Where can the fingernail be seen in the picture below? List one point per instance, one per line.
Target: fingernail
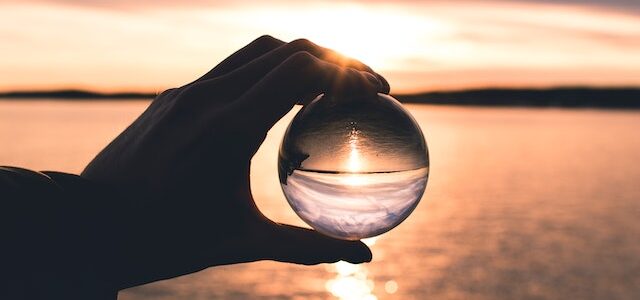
(374, 80)
(385, 84)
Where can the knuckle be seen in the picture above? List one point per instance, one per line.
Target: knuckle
(369, 76)
(302, 44)
(265, 37)
(301, 59)
(264, 40)
(351, 73)
(189, 95)
(165, 96)
(167, 93)
(190, 91)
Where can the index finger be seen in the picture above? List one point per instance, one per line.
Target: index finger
(246, 54)
(302, 74)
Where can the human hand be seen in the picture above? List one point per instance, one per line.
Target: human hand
(184, 164)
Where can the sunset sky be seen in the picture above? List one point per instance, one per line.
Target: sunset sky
(418, 45)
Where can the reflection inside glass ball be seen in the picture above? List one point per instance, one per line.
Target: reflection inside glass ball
(353, 167)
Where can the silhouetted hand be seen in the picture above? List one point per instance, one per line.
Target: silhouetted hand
(184, 165)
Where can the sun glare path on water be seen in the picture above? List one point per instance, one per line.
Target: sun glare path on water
(352, 282)
(354, 163)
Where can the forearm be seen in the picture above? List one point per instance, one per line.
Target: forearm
(50, 249)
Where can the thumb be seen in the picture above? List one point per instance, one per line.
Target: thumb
(308, 247)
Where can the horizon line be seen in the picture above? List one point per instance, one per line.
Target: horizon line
(90, 93)
(565, 96)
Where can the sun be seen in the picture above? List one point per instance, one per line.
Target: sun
(373, 36)
(378, 35)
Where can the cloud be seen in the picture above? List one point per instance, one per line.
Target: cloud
(631, 6)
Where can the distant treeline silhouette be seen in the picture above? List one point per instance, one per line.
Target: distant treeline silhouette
(558, 97)
(563, 97)
(75, 94)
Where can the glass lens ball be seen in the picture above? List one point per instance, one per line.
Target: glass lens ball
(353, 167)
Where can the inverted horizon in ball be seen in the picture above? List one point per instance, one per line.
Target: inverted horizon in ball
(353, 167)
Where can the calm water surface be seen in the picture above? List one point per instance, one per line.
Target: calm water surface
(521, 204)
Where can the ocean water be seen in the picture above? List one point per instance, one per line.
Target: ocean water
(522, 203)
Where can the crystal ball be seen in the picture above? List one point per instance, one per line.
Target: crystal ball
(353, 167)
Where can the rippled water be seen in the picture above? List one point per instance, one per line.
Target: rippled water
(521, 204)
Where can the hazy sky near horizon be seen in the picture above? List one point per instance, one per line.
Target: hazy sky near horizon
(417, 45)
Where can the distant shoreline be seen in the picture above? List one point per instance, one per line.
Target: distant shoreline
(628, 97)
(74, 95)
(550, 97)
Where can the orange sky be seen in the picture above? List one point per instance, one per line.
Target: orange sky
(417, 45)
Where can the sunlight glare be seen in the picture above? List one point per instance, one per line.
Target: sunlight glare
(354, 164)
(416, 45)
(370, 241)
(350, 283)
(354, 180)
(376, 35)
(391, 286)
